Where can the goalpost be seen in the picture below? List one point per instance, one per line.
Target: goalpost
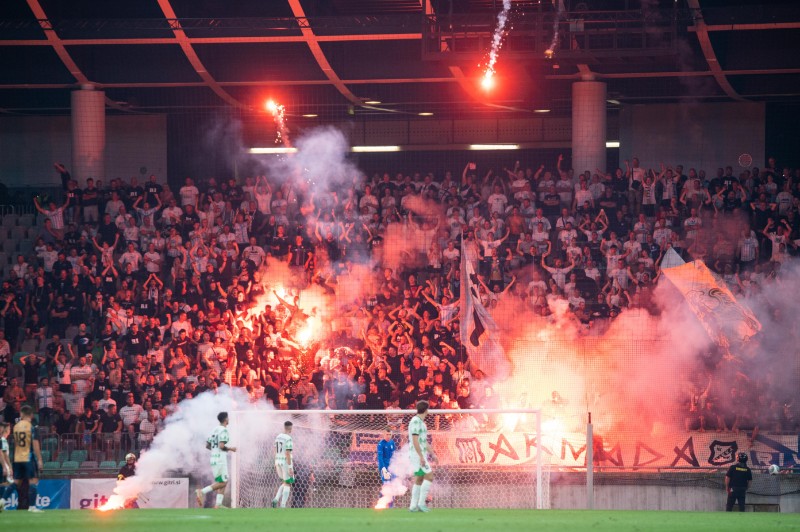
(481, 458)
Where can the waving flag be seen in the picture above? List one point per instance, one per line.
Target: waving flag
(725, 319)
(480, 335)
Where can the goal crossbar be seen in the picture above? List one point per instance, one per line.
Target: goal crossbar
(396, 412)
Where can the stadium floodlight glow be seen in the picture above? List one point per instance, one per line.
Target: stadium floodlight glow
(488, 147)
(612, 144)
(374, 149)
(372, 102)
(271, 151)
(425, 114)
(309, 115)
(541, 110)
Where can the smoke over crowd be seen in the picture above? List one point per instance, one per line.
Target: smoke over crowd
(310, 285)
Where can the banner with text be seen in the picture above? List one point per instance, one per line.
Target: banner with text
(92, 493)
(692, 450)
(52, 495)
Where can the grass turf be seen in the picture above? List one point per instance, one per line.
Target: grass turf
(350, 520)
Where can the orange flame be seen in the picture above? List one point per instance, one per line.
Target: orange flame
(383, 502)
(488, 80)
(115, 502)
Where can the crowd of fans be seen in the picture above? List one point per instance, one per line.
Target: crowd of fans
(137, 296)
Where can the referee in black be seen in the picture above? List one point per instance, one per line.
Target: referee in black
(737, 480)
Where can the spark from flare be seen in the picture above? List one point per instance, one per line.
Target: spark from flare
(551, 50)
(278, 113)
(497, 42)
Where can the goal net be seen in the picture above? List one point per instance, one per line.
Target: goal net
(480, 458)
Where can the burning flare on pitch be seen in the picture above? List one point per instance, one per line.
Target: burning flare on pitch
(389, 491)
(115, 502)
(383, 503)
(497, 42)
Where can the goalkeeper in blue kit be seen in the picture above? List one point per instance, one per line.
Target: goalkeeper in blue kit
(385, 451)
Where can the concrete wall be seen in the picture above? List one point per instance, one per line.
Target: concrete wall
(30, 145)
(704, 136)
(680, 492)
(649, 497)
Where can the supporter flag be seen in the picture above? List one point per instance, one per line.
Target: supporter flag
(671, 259)
(725, 320)
(480, 335)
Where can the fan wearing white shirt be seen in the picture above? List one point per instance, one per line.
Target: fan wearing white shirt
(189, 193)
(132, 257)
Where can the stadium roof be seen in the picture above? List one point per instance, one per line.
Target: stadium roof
(331, 57)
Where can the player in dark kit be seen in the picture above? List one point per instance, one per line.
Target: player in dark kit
(27, 458)
(128, 470)
(737, 480)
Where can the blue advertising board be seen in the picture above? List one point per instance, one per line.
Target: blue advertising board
(53, 495)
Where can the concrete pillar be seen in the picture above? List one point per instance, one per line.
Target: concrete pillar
(588, 126)
(88, 134)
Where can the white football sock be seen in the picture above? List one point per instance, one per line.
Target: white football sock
(414, 497)
(285, 496)
(279, 493)
(206, 490)
(423, 492)
(220, 497)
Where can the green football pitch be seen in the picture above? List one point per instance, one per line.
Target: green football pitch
(357, 520)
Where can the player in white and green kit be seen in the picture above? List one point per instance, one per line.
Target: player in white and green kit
(284, 465)
(418, 454)
(217, 443)
(5, 462)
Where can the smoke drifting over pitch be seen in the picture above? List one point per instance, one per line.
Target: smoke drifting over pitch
(181, 445)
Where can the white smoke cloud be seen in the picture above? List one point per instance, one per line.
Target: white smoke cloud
(400, 468)
(320, 164)
(181, 445)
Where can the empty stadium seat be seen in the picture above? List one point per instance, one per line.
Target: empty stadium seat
(9, 220)
(19, 233)
(78, 455)
(45, 456)
(108, 464)
(89, 465)
(96, 455)
(25, 247)
(67, 447)
(71, 332)
(49, 466)
(26, 220)
(50, 444)
(29, 346)
(70, 465)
